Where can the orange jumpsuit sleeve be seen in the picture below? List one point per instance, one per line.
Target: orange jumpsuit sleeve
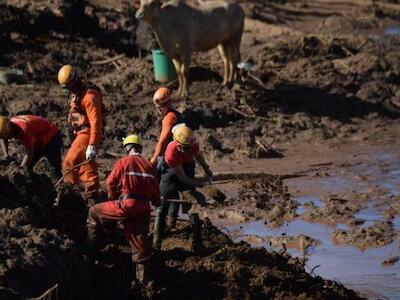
(167, 123)
(93, 107)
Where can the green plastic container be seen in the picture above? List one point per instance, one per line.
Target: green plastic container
(164, 70)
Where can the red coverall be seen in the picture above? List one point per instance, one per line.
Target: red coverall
(134, 180)
(85, 116)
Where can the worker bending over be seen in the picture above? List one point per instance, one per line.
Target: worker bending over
(40, 138)
(177, 175)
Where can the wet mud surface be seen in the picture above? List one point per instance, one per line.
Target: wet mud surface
(322, 102)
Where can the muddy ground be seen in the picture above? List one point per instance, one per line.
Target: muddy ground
(324, 91)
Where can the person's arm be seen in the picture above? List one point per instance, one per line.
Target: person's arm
(180, 173)
(28, 156)
(4, 148)
(92, 105)
(200, 158)
(165, 135)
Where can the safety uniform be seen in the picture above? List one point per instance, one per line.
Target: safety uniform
(85, 117)
(43, 138)
(170, 185)
(172, 118)
(134, 180)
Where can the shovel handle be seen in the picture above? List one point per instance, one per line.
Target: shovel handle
(70, 170)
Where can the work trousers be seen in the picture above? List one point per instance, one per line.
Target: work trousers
(135, 218)
(87, 174)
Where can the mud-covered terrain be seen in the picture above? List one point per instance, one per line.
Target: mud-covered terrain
(321, 97)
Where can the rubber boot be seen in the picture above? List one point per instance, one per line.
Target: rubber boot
(141, 274)
(159, 224)
(197, 244)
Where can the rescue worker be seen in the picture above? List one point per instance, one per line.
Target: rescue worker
(162, 100)
(40, 138)
(133, 181)
(178, 175)
(85, 118)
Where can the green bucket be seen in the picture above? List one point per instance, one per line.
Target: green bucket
(164, 70)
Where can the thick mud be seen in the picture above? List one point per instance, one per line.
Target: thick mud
(322, 98)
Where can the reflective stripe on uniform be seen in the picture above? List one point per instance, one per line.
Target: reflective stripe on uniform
(140, 174)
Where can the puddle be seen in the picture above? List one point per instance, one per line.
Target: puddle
(360, 270)
(392, 30)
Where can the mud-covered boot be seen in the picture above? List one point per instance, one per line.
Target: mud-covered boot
(141, 274)
(159, 224)
(197, 244)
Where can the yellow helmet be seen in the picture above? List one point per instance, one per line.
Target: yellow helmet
(132, 139)
(66, 75)
(183, 134)
(4, 127)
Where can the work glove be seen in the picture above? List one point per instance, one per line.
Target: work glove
(90, 152)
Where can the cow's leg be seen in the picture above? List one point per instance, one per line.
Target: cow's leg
(177, 65)
(231, 54)
(185, 75)
(224, 55)
(236, 54)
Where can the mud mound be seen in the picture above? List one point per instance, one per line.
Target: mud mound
(236, 271)
(270, 195)
(379, 234)
(335, 211)
(28, 245)
(23, 188)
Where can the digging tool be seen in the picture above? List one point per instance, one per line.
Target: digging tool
(70, 170)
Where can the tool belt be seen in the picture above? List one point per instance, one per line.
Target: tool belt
(130, 196)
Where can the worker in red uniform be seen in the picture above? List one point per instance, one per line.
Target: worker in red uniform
(133, 181)
(177, 175)
(85, 118)
(40, 138)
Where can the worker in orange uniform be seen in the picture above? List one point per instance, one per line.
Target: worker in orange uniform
(40, 138)
(133, 181)
(85, 117)
(171, 117)
(177, 175)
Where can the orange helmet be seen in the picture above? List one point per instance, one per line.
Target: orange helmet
(66, 75)
(162, 96)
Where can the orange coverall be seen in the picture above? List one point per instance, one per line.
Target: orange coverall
(169, 120)
(85, 116)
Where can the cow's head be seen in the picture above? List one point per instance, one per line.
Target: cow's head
(147, 9)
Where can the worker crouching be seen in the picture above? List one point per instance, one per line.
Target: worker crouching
(133, 181)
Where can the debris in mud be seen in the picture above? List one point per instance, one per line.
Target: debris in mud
(214, 193)
(336, 210)
(270, 195)
(300, 242)
(390, 261)
(379, 234)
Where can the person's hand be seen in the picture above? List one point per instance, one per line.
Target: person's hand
(153, 161)
(90, 152)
